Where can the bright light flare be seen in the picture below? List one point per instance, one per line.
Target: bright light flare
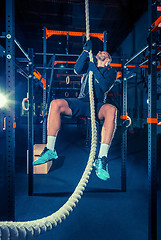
(3, 100)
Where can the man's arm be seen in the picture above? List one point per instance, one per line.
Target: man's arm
(104, 80)
(81, 65)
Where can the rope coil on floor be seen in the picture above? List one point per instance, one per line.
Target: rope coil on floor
(31, 229)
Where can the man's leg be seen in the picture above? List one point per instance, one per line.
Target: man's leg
(108, 113)
(57, 107)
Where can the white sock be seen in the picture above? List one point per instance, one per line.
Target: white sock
(51, 142)
(103, 150)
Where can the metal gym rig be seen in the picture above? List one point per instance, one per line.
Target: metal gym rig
(8, 176)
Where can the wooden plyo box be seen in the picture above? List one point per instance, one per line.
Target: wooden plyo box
(42, 168)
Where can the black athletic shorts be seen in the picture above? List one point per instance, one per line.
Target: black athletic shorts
(80, 108)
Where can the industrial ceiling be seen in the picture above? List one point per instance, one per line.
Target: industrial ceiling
(117, 17)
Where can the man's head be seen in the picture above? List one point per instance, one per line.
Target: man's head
(103, 58)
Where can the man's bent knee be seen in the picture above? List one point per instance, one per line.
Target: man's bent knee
(107, 110)
(60, 105)
(112, 110)
(56, 104)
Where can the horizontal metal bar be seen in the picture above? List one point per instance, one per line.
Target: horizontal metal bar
(51, 54)
(66, 88)
(22, 60)
(22, 50)
(61, 81)
(136, 55)
(47, 68)
(49, 33)
(48, 54)
(67, 55)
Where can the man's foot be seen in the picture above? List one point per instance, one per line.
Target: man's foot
(101, 168)
(46, 156)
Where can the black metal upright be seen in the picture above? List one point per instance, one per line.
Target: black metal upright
(152, 125)
(50, 84)
(44, 89)
(9, 192)
(124, 135)
(30, 124)
(105, 41)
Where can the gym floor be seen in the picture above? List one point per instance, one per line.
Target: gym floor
(104, 212)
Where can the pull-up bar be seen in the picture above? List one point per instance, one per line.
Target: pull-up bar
(56, 68)
(61, 54)
(49, 33)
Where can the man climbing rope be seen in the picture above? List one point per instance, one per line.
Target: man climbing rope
(104, 77)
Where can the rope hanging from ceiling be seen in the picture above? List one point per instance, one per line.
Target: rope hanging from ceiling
(31, 229)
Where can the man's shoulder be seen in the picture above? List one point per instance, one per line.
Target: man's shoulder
(110, 70)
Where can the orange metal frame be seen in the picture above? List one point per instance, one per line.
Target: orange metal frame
(131, 66)
(123, 116)
(159, 8)
(49, 33)
(156, 25)
(14, 123)
(39, 76)
(72, 62)
(119, 65)
(70, 75)
(152, 120)
(119, 74)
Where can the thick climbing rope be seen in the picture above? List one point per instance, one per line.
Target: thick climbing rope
(31, 229)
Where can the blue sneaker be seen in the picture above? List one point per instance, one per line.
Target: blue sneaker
(46, 156)
(101, 168)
